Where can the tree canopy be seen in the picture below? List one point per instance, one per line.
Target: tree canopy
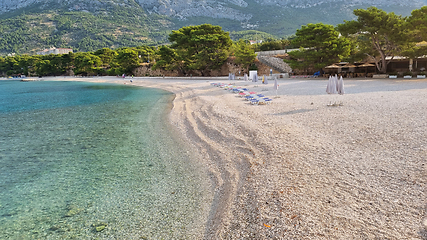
(127, 60)
(417, 37)
(379, 34)
(244, 53)
(87, 63)
(320, 44)
(169, 60)
(203, 47)
(418, 23)
(272, 44)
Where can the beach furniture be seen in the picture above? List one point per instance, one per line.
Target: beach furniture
(251, 96)
(267, 100)
(243, 94)
(254, 101)
(236, 90)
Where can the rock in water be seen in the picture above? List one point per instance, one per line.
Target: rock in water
(72, 210)
(99, 226)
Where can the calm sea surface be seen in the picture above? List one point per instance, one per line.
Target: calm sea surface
(90, 160)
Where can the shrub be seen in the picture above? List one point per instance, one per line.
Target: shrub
(253, 67)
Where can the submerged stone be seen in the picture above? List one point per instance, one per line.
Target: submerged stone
(99, 226)
(72, 210)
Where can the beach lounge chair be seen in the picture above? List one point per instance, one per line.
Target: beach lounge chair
(267, 100)
(254, 101)
(251, 96)
(243, 94)
(261, 101)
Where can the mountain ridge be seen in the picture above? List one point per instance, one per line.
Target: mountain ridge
(183, 8)
(116, 23)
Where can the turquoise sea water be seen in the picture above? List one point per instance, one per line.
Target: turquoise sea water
(90, 160)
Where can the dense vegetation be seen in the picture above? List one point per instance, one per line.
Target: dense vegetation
(381, 36)
(195, 48)
(82, 31)
(320, 46)
(104, 61)
(376, 35)
(203, 48)
(111, 25)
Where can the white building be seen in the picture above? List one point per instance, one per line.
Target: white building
(55, 50)
(255, 41)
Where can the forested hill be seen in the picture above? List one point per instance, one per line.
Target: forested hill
(81, 30)
(28, 26)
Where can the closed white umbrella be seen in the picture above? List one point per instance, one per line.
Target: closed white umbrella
(335, 86)
(328, 86)
(245, 77)
(255, 77)
(265, 80)
(331, 88)
(276, 85)
(336, 83)
(341, 86)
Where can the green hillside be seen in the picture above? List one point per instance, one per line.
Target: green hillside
(83, 31)
(32, 29)
(282, 22)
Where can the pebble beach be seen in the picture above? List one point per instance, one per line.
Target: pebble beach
(299, 168)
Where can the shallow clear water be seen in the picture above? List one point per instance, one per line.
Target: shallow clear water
(77, 157)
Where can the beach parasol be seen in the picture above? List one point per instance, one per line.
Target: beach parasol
(276, 85)
(340, 87)
(245, 77)
(255, 77)
(366, 65)
(349, 65)
(335, 86)
(333, 66)
(331, 87)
